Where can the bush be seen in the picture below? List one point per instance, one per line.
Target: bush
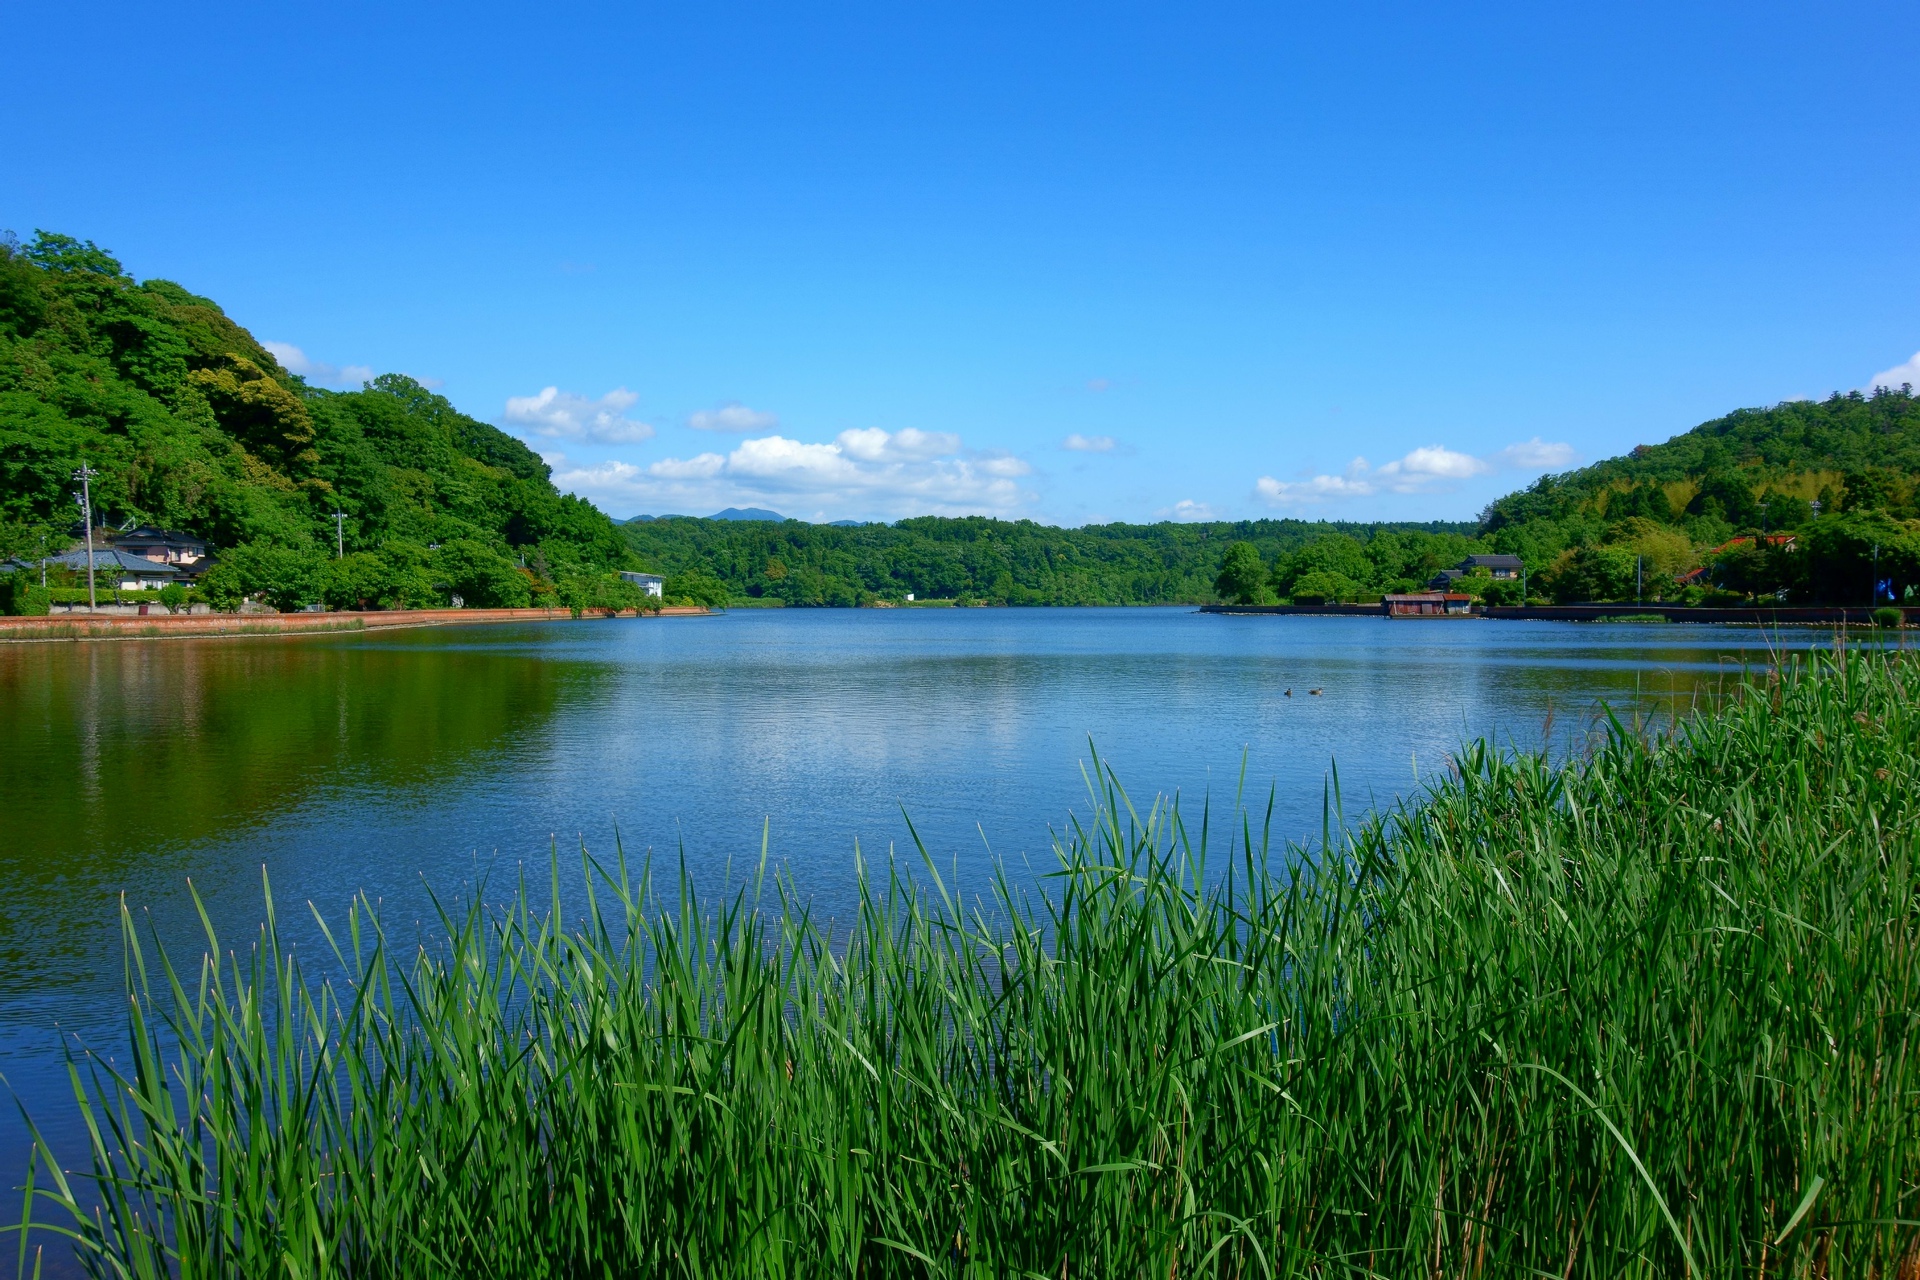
(698, 587)
(1319, 585)
(22, 596)
(175, 597)
(609, 593)
(1888, 618)
(1501, 591)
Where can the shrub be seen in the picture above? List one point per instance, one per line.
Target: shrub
(698, 587)
(21, 595)
(1320, 585)
(1888, 617)
(174, 596)
(608, 593)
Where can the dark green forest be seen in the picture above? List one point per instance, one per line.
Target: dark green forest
(193, 425)
(980, 560)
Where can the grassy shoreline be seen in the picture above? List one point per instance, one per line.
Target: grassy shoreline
(1654, 1013)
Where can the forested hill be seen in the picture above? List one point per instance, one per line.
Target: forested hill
(1019, 562)
(193, 425)
(1753, 469)
(1807, 502)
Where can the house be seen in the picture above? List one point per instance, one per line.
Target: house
(1501, 568)
(162, 546)
(651, 584)
(113, 569)
(1428, 604)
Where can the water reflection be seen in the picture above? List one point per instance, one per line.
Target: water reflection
(118, 758)
(380, 763)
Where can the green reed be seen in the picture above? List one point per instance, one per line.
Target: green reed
(1649, 1014)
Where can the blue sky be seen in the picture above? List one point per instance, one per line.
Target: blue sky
(1077, 263)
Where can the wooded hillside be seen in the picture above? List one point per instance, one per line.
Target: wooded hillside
(192, 424)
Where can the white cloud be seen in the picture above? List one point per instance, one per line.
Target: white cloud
(862, 473)
(1429, 469)
(1536, 455)
(1078, 443)
(562, 415)
(733, 417)
(1188, 509)
(1430, 464)
(295, 361)
(1899, 375)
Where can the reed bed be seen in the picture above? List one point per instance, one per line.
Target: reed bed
(1652, 1013)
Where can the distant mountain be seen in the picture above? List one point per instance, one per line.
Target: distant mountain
(747, 513)
(847, 524)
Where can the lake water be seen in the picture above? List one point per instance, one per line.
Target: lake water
(382, 762)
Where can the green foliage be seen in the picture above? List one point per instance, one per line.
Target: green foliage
(604, 593)
(287, 578)
(175, 597)
(193, 425)
(482, 577)
(1843, 554)
(695, 586)
(1591, 573)
(1243, 574)
(1014, 561)
(1752, 472)
(1319, 585)
(1649, 1014)
(22, 596)
(1888, 617)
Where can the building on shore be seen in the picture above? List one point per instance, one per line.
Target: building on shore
(1428, 604)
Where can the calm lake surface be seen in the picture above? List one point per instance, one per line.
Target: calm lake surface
(380, 763)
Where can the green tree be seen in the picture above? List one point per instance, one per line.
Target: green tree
(1319, 585)
(1592, 573)
(1243, 574)
(481, 576)
(287, 578)
(696, 586)
(1847, 554)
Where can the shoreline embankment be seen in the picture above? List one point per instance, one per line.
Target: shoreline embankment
(1783, 616)
(85, 626)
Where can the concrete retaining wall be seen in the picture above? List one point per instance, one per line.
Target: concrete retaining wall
(120, 626)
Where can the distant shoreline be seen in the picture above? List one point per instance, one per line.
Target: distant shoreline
(1783, 616)
(83, 626)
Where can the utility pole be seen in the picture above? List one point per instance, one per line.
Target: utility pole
(85, 475)
(340, 535)
(1875, 592)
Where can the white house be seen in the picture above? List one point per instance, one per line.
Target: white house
(650, 583)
